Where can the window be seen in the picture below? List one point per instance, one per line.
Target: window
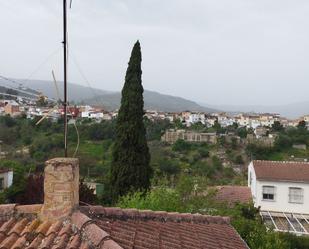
(269, 193)
(296, 195)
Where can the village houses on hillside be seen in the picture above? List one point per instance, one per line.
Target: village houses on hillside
(257, 122)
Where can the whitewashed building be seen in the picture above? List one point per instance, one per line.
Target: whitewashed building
(281, 191)
(6, 178)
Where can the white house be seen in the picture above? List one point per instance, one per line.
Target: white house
(92, 114)
(281, 191)
(6, 178)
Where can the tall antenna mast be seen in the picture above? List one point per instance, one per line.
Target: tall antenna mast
(65, 102)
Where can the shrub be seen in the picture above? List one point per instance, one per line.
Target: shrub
(181, 145)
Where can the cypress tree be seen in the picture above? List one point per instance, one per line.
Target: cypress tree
(131, 170)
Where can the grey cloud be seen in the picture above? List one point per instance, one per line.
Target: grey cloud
(213, 51)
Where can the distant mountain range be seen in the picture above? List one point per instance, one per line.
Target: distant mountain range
(153, 100)
(111, 100)
(293, 110)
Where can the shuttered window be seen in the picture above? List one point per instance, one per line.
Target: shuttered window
(296, 195)
(269, 193)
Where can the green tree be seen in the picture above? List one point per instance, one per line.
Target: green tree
(302, 125)
(181, 146)
(242, 132)
(130, 169)
(277, 126)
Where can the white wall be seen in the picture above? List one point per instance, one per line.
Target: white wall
(251, 173)
(10, 179)
(7, 179)
(281, 202)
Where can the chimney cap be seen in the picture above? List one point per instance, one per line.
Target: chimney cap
(61, 160)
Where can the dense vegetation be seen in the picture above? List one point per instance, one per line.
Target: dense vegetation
(283, 147)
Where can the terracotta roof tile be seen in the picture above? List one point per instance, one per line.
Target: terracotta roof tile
(9, 241)
(233, 194)
(6, 227)
(84, 245)
(74, 242)
(28, 232)
(36, 241)
(115, 228)
(20, 242)
(79, 219)
(48, 241)
(6, 211)
(110, 244)
(54, 228)
(95, 234)
(31, 227)
(44, 227)
(61, 241)
(19, 226)
(281, 171)
(147, 229)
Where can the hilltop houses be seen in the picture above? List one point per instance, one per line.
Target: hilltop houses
(171, 136)
(10, 107)
(258, 122)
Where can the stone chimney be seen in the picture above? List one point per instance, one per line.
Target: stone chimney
(61, 188)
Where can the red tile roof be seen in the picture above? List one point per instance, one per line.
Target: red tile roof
(147, 229)
(20, 228)
(115, 228)
(281, 171)
(233, 194)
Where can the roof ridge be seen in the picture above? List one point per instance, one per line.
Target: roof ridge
(163, 216)
(94, 234)
(282, 162)
(232, 186)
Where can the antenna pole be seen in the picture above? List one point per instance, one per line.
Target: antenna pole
(65, 102)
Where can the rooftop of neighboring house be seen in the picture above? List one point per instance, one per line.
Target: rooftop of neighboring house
(233, 194)
(114, 228)
(290, 171)
(61, 223)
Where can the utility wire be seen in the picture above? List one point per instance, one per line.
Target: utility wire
(11, 80)
(68, 108)
(77, 133)
(19, 90)
(16, 96)
(44, 62)
(24, 84)
(79, 69)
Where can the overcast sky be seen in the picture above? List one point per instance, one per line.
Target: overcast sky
(235, 52)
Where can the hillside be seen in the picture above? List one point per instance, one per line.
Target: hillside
(292, 110)
(111, 100)
(153, 101)
(76, 92)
